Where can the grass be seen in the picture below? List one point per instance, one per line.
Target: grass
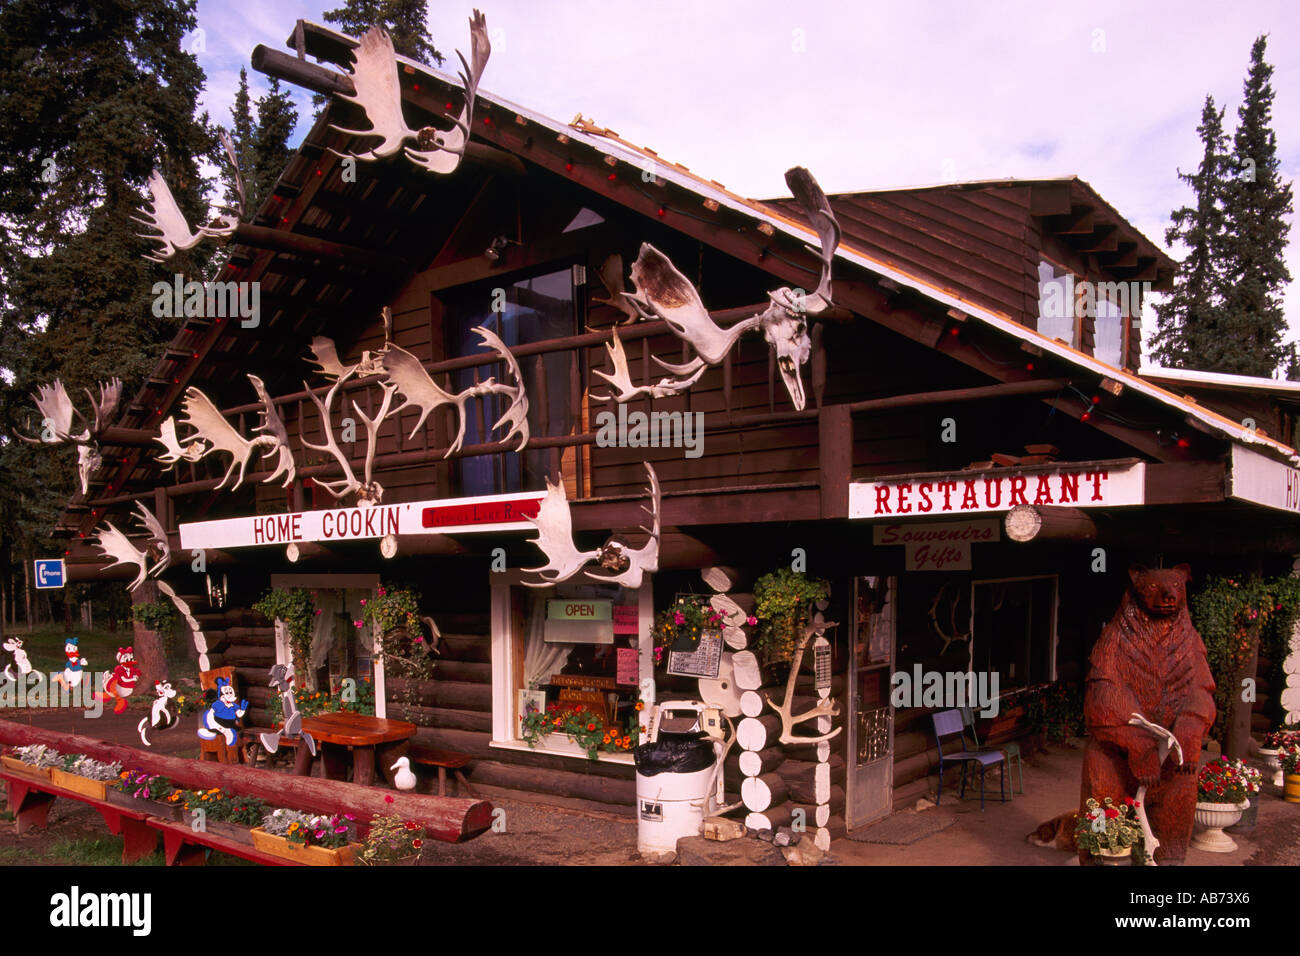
(44, 647)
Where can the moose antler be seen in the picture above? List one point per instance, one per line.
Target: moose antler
(610, 274)
(823, 708)
(176, 450)
(663, 292)
(632, 564)
(112, 543)
(164, 217)
(273, 426)
(378, 92)
(57, 412)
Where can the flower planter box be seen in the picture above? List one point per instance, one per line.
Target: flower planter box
(82, 785)
(1121, 857)
(155, 808)
(222, 828)
(310, 855)
(17, 767)
(1213, 817)
(1291, 790)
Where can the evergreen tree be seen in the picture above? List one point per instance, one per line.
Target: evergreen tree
(93, 96)
(405, 20)
(1256, 204)
(241, 115)
(269, 147)
(1187, 321)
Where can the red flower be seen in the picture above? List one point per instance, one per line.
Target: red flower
(591, 727)
(417, 843)
(410, 825)
(1111, 813)
(388, 798)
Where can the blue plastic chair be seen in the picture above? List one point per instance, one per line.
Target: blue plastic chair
(948, 724)
(1011, 750)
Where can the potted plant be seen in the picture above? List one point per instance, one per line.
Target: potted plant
(1274, 744)
(1222, 794)
(580, 725)
(392, 841)
(315, 840)
(781, 605)
(141, 790)
(85, 775)
(225, 814)
(680, 626)
(35, 761)
(296, 609)
(1290, 760)
(1108, 832)
(394, 613)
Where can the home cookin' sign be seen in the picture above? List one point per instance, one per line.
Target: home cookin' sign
(1090, 485)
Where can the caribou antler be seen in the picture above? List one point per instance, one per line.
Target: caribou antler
(610, 274)
(272, 425)
(823, 708)
(157, 537)
(112, 543)
(952, 620)
(554, 526)
(176, 450)
(211, 427)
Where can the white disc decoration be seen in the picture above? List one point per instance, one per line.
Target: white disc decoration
(735, 638)
(751, 764)
(751, 734)
(823, 816)
(751, 703)
(745, 667)
(822, 840)
(756, 794)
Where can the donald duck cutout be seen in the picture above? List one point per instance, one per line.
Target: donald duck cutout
(121, 683)
(71, 675)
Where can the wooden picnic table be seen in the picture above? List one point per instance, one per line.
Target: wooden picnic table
(342, 737)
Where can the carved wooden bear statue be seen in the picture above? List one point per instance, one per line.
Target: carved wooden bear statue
(1149, 660)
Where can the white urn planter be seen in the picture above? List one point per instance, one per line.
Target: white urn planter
(1212, 818)
(1274, 764)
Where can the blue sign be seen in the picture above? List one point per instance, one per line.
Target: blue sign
(50, 573)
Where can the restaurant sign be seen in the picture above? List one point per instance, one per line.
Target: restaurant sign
(447, 516)
(1087, 485)
(1263, 481)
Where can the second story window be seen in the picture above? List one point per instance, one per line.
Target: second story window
(521, 312)
(1108, 332)
(1056, 318)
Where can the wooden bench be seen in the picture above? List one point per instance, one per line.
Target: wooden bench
(183, 846)
(444, 760)
(30, 800)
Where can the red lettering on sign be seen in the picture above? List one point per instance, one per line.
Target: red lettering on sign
(989, 484)
(258, 532)
(487, 512)
(1044, 496)
(1069, 489)
(924, 503)
(948, 488)
(1096, 477)
(904, 506)
(1017, 496)
(968, 498)
(882, 500)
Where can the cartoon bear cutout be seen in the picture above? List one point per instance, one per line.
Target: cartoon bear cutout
(1150, 661)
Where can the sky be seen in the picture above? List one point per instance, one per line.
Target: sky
(867, 95)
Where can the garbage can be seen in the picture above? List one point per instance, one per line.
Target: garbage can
(675, 776)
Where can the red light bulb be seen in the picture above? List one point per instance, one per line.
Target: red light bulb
(660, 212)
(568, 167)
(1029, 366)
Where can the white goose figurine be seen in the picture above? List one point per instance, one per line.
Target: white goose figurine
(405, 779)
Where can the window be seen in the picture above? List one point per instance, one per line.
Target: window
(1108, 332)
(532, 310)
(1014, 631)
(1056, 303)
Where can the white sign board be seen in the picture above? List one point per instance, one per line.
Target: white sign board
(1263, 481)
(446, 516)
(1091, 485)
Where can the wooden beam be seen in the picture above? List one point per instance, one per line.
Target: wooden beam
(1079, 221)
(1039, 523)
(1041, 386)
(450, 819)
(318, 79)
(1049, 199)
(279, 240)
(835, 458)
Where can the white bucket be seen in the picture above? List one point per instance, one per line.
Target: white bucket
(671, 806)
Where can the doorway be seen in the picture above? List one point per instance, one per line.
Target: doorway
(869, 759)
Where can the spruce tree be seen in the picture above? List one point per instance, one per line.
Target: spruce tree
(405, 20)
(1256, 204)
(1188, 320)
(269, 147)
(241, 133)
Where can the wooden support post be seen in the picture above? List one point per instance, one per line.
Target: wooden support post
(835, 461)
(1041, 523)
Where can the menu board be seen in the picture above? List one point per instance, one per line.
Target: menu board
(704, 661)
(629, 671)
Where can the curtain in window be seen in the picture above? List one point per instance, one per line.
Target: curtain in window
(541, 659)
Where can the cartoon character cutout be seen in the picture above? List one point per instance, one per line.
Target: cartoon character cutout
(16, 662)
(72, 673)
(222, 715)
(121, 683)
(160, 716)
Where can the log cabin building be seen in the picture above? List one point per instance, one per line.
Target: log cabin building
(940, 392)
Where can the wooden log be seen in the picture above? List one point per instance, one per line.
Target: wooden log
(479, 746)
(770, 818)
(751, 703)
(722, 579)
(766, 761)
(760, 793)
(834, 800)
(238, 634)
(444, 818)
(751, 734)
(437, 693)
(441, 717)
(470, 672)
(1043, 523)
(745, 670)
(559, 782)
(247, 655)
(802, 773)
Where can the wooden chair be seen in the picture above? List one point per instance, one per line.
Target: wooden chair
(1010, 750)
(947, 724)
(218, 749)
(444, 760)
